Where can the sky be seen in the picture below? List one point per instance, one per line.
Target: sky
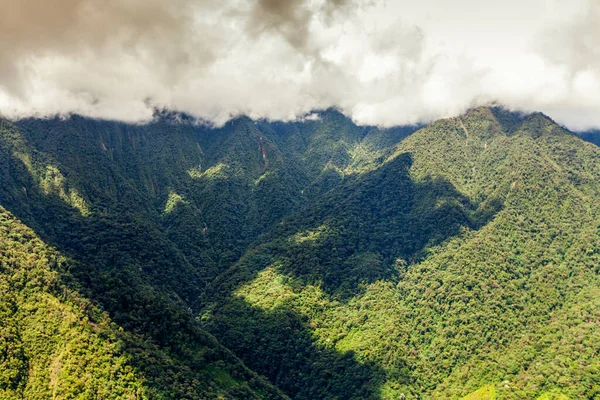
(381, 62)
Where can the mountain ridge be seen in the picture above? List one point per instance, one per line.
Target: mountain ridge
(433, 149)
(336, 260)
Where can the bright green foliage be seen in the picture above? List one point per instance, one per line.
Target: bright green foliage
(553, 396)
(54, 344)
(484, 393)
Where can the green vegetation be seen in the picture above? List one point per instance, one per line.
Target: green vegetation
(336, 261)
(57, 344)
(53, 342)
(467, 258)
(485, 393)
(552, 396)
(94, 314)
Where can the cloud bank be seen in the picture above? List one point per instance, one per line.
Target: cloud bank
(381, 62)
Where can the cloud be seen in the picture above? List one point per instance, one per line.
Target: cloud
(573, 47)
(574, 43)
(382, 62)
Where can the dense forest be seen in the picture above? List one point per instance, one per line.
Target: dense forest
(314, 259)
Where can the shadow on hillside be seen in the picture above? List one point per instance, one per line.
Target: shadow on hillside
(369, 229)
(129, 266)
(279, 344)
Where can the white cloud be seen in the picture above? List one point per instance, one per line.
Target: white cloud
(382, 62)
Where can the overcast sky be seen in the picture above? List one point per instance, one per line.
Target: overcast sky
(382, 62)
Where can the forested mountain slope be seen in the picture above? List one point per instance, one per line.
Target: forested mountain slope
(337, 261)
(211, 191)
(147, 216)
(55, 343)
(468, 259)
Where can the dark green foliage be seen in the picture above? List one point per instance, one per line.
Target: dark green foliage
(124, 262)
(150, 214)
(437, 269)
(338, 261)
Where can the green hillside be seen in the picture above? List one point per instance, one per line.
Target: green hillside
(93, 311)
(468, 258)
(177, 260)
(148, 216)
(55, 343)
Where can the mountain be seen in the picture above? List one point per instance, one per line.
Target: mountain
(88, 273)
(592, 136)
(146, 216)
(314, 259)
(467, 259)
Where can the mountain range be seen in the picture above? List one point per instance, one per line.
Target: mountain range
(313, 259)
